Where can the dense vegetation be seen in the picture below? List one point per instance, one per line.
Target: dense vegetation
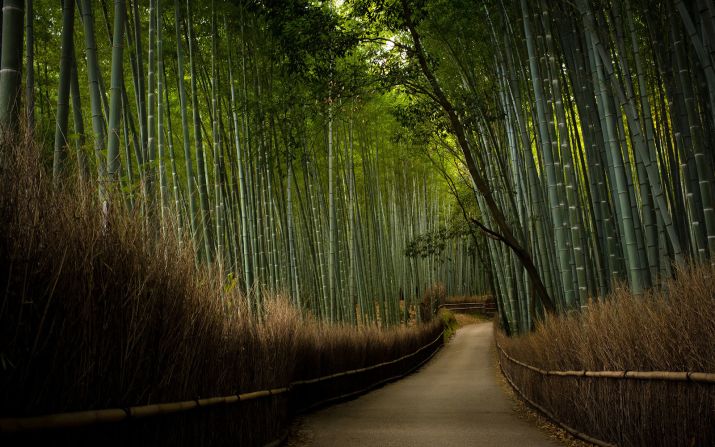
(670, 329)
(289, 141)
(361, 159)
(94, 317)
(584, 130)
(252, 132)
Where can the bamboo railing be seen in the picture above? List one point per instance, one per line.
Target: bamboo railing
(92, 417)
(551, 416)
(483, 307)
(375, 384)
(679, 376)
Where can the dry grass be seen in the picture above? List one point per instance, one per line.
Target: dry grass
(433, 297)
(467, 318)
(526, 413)
(668, 329)
(99, 312)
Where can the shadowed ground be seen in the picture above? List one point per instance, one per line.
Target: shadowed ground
(453, 401)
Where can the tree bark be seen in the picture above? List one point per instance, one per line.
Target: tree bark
(507, 235)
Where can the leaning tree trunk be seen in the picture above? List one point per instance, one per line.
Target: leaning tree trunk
(507, 235)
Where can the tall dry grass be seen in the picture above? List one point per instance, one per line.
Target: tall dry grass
(667, 329)
(434, 296)
(97, 311)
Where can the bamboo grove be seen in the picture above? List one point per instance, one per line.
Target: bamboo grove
(622, 121)
(584, 132)
(546, 150)
(191, 116)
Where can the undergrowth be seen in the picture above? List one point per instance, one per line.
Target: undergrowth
(449, 323)
(670, 328)
(101, 310)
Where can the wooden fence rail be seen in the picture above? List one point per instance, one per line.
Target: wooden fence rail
(701, 378)
(486, 307)
(91, 417)
(677, 376)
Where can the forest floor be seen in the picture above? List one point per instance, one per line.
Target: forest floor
(455, 400)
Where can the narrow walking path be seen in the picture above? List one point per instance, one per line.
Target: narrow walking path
(453, 401)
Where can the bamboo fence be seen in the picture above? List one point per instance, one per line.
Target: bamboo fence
(487, 309)
(679, 376)
(92, 417)
(673, 376)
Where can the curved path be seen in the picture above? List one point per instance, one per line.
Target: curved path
(452, 401)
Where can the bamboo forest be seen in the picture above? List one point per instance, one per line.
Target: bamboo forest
(229, 221)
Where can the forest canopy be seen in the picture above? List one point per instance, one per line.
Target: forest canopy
(353, 153)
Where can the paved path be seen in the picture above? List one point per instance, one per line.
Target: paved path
(452, 401)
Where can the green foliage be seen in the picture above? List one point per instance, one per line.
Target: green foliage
(295, 66)
(449, 323)
(433, 243)
(420, 120)
(313, 43)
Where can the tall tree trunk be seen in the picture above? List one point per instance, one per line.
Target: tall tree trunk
(198, 141)
(243, 197)
(160, 104)
(482, 186)
(95, 93)
(82, 164)
(63, 93)
(151, 104)
(30, 65)
(217, 151)
(178, 19)
(115, 102)
(11, 64)
(140, 85)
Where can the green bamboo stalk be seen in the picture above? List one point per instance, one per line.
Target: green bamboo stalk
(193, 224)
(11, 63)
(30, 64)
(553, 192)
(95, 95)
(175, 183)
(150, 108)
(202, 177)
(218, 190)
(140, 85)
(63, 94)
(82, 164)
(634, 125)
(243, 200)
(115, 105)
